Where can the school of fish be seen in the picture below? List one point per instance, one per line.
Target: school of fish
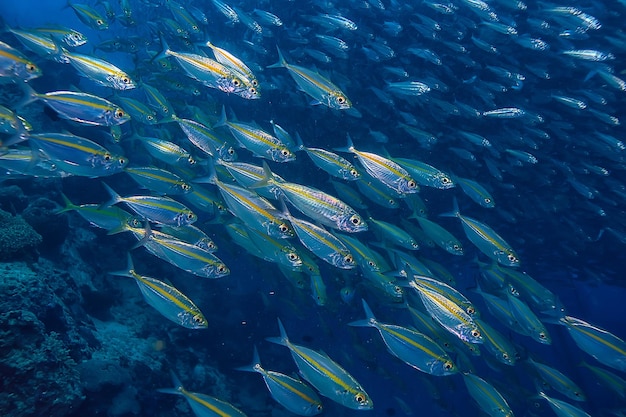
(377, 154)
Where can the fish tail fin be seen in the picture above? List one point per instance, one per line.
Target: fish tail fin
(256, 363)
(165, 50)
(129, 271)
(299, 144)
(30, 95)
(69, 206)
(281, 60)
(178, 386)
(349, 145)
(282, 339)
(145, 238)
(115, 197)
(369, 317)
(268, 177)
(455, 210)
(223, 120)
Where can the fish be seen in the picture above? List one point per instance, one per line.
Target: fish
(319, 205)
(80, 107)
(384, 170)
(604, 346)
(156, 209)
(486, 239)
(486, 396)
(209, 72)
(166, 299)
(413, 348)
(89, 16)
(202, 405)
(77, 155)
(15, 65)
(256, 140)
(100, 71)
(293, 394)
(326, 375)
(320, 88)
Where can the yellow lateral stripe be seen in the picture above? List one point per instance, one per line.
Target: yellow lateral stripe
(291, 388)
(12, 56)
(140, 201)
(251, 133)
(72, 145)
(309, 78)
(410, 341)
(380, 162)
(188, 252)
(319, 367)
(105, 66)
(205, 403)
(162, 292)
(598, 338)
(75, 100)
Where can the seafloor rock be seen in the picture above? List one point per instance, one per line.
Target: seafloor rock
(17, 237)
(37, 355)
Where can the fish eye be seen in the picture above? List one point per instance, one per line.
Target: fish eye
(99, 22)
(319, 407)
(252, 90)
(487, 201)
(125, 80)
(415, 245)
(445, 180)
(185, 186)
(191, 216)
(470, 310)
(448, 365)
(30, 67)
(284, 152)
(198, 319)
(371, 263)
(119, 113)
(354, 173)
(511, 258)
(341, 99)
(292, 256)
(150, 117)
(122, 161)
(397, 290)
(360, 398)
(411, 184)
(542, 335)
(210, 245)
(283, 228)
(348, 259)
(194, 27)
(231, 151)
(475, 333)
(107, 157)
(255, 83)
(221, 268)
(191, 161)
(505, 356)
(355, 220)
(236, 82)
(456, 247)
(391, 202)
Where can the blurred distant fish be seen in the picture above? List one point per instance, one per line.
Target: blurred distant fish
(89, 16)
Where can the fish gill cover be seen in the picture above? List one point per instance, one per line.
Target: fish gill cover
(178, 175)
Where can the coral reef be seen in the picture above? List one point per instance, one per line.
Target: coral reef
(17, 237)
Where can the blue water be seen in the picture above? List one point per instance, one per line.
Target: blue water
(570, 242)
